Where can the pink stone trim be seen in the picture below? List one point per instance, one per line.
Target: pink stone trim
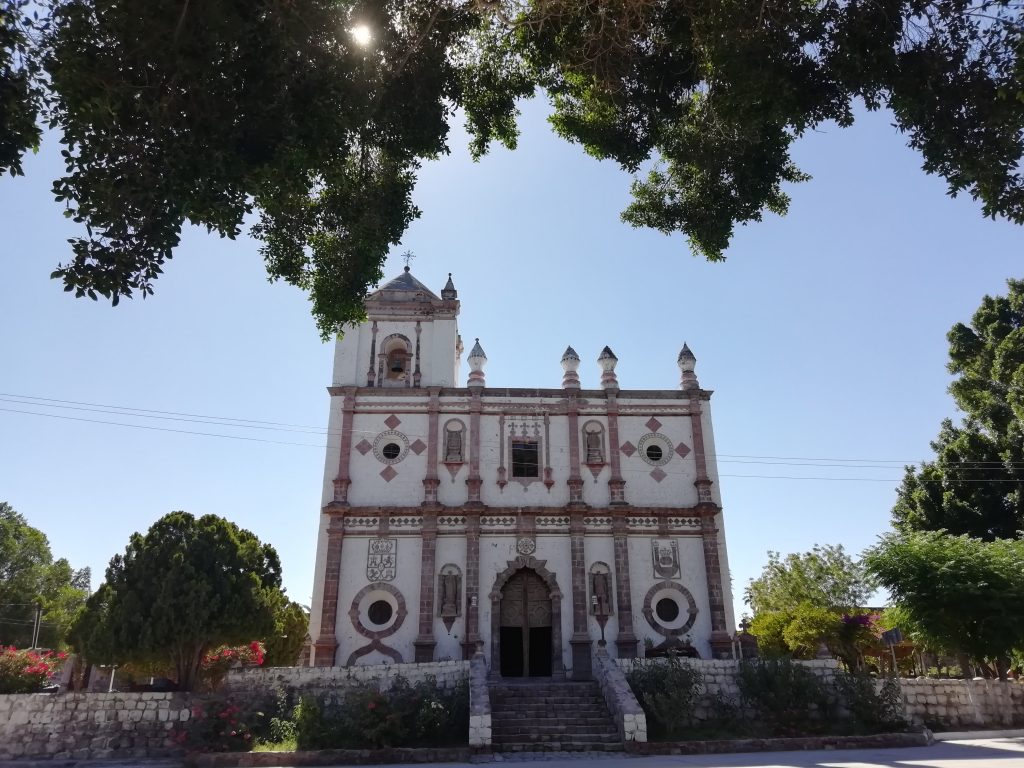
(575, 480)
(344, 478)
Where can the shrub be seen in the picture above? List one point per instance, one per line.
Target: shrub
(27, 671)
(216, 663)
(668, 690)
(404, 716)
(786, 698)
(219, 726)
(872, 708)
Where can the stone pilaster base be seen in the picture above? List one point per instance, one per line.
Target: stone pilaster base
(581, 658)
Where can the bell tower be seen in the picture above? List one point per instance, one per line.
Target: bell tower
(410, 339)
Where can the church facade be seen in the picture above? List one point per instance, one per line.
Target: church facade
(526, 524)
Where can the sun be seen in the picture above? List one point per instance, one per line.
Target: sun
(361, 34)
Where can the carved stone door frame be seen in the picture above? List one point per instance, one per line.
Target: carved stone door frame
(537, 566)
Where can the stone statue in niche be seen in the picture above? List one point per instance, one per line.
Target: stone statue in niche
(600, 588)
(453, 443)
(594, 453)
(449, 595)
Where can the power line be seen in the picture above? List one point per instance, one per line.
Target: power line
(127, 412)
(160, 429)
(151, 410)
(960, 467)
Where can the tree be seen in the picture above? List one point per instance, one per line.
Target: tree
(204, 112)
(291, 623)
(960, 591)
(808, 599)
(975, 486)
(30, 578)
(186, 586)
(826, 577)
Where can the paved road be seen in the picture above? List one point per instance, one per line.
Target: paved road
(968, 753)
(1007, 752)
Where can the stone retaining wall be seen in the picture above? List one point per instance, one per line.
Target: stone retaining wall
(85, 726)
(332, 681)
(942, 705)
(956, 705)
(618, 696)
(720, 678)
(479, 704)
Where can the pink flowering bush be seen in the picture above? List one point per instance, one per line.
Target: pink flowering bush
(27, 671)
(217, 726)
(216, 663)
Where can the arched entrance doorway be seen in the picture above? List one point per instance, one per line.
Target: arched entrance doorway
(526, 621)
(525, 629)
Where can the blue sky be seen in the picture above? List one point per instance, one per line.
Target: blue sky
(822, 335)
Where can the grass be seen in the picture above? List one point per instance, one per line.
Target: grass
(274, 746)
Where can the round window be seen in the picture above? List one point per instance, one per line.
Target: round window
(654, 452)
(667, 609)
(391, 451)
(380, 612)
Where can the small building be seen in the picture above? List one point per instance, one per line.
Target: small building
(527, 524)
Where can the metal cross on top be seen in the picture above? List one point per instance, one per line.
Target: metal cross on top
(407, 257)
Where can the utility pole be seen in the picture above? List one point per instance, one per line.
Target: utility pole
(36, 623)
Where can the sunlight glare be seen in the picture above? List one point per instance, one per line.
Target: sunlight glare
(361, 34)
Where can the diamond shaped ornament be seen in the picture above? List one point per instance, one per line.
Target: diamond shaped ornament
(364, 447)
(628, 448)
(653, 424)
(658, 474)
(683, 450)
(388, 473)
(418, 446)
(392, 421)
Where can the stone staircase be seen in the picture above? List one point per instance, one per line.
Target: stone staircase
(541, 715)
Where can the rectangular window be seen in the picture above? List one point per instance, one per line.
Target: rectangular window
(525, 458)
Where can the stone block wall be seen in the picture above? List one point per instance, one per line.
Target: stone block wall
(942, 705)
(957, 705)
(480, 734)
(329, 683)
(91, 725)
(720, 677)
(626, 710)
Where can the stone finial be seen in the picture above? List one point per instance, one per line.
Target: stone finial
(570, 364)
(448, 293)
(476, 361)
(687, 362)
(607, 360)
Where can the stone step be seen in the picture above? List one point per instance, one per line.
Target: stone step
(541, 704)
(588, 730)
(561, 717)
(551, 717)
(553, 738)
(546, 704)
(559, 746)
(552, 711)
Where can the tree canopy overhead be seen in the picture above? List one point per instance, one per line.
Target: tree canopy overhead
(176, 112)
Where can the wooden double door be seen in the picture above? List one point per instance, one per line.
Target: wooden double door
(525, 628)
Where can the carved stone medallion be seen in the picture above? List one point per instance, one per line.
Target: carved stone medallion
(526, 545)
